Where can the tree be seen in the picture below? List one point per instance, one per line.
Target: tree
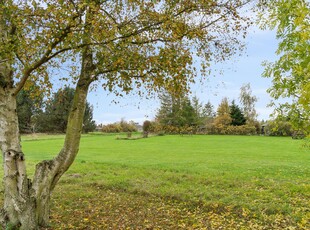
(28, 108)
(209, 115)
(147, 126)
(290, 73)
(237, 117)
(89, 125)
(57, 110)
(55, 117)
(198, 109)
(168, 110)
(188, 115)
(248, 103)
(177, 111)
(126, 44)
(32, 118)
(208, 110)
(223, 117)
(24, 111)
(279, 127)
(127, 126)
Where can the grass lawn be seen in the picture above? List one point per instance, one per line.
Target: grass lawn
(179, 182)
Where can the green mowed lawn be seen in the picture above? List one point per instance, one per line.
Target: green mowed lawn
(180, 182)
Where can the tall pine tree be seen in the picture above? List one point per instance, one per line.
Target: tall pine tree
(176, 111)
(55, 117)
(237, 117)
(29, 106)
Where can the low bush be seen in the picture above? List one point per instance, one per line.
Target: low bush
(279, 128)
(122, 126)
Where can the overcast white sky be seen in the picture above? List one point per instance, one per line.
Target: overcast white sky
(261, 45)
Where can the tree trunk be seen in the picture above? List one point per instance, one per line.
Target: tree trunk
(26, 205)
(17, 197)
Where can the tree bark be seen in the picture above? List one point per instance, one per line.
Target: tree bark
(26, 203)
(17, 199)
(48, 173)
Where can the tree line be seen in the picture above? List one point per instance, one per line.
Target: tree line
(37, 114)
(185, 115)
(182, 114)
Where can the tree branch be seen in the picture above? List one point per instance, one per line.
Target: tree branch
(5, 60)
(45, 58)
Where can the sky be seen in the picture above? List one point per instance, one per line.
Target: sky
(261, 46)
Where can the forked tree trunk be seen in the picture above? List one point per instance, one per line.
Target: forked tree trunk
(26, 204)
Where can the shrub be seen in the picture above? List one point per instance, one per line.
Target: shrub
(279, 128)
(147, 126)
(118, 127)
(170, 129)
(127, 126)
(235, 130)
